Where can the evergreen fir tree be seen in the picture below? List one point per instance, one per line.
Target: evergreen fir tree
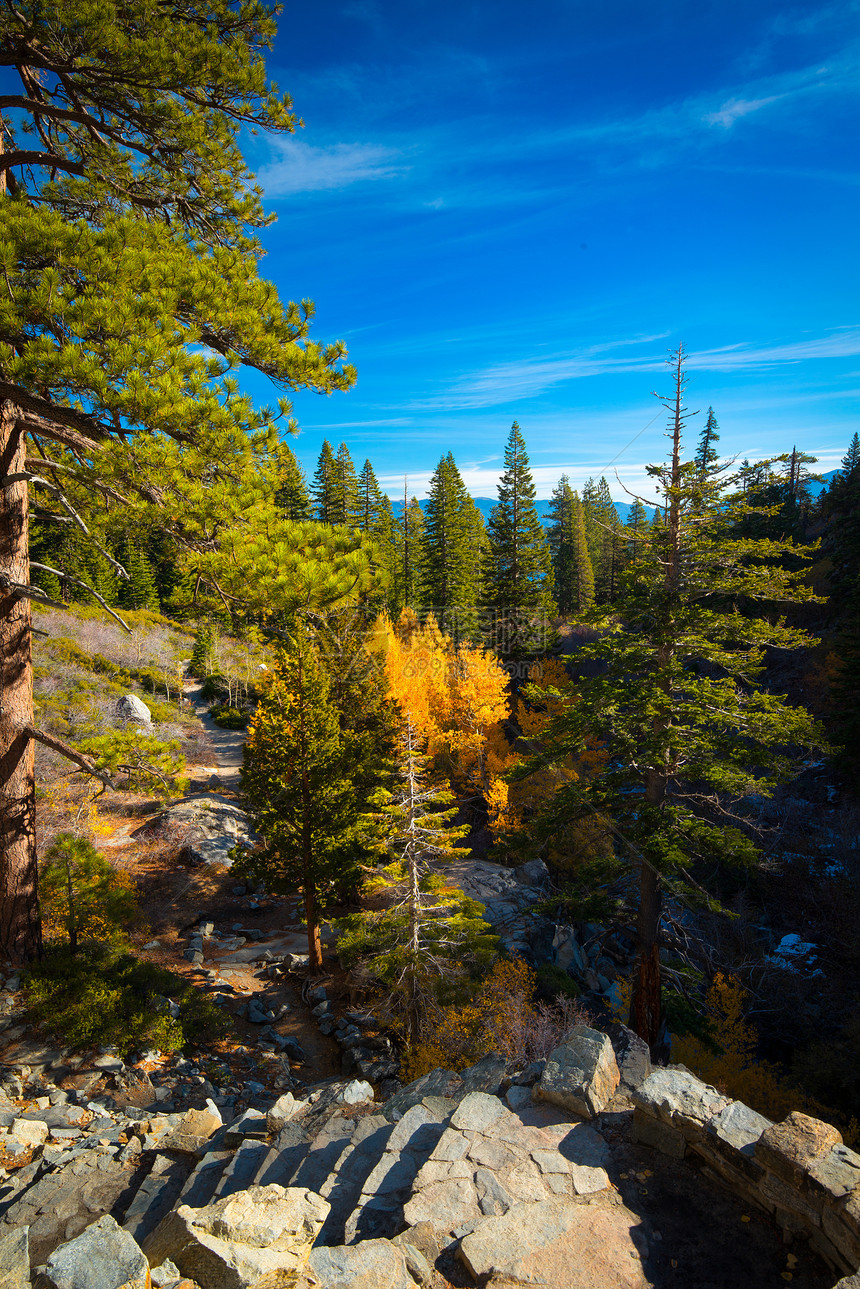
(140, 591)
(298, 781)
(518, 568)
(447, 579)
(842, 543)
(430, 933)
(292, 495)
(572, 571)
(637, 531)
(683, 741)
(371, 503)
(324, 486)
(706, 454)
(408, 545)
(346, 503)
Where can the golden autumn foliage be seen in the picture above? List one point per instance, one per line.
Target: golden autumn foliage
(454, 695)
(501, 1017)
(731, 1064)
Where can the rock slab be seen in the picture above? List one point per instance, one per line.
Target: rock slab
(581, 1075)
(104, 1256)
(236, 1241)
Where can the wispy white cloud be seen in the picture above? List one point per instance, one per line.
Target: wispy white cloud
(301, 167)
(735, 108)
(505, 382)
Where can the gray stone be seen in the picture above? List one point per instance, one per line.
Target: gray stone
(282, 1111)
(493, 1199)
(581, 1075)
(15, 1259)
(370, 1264)
(631, 1055)
(658, 1135)
(165, 1274)
(132, 708)
(104, 1256)
(210, 828)
(734, 1133)
(835, 1174)
(356, 1092)
(677, 1097)
(557, 1245)
(518, 1097)
(251, 1123)
(240, 1239)
(486, 1075)
(477, 1111)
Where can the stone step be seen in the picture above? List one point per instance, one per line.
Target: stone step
(386, 1186)
(325, 1150)
(156, 1196)
(241, 1171)
(344, 1184)
(202, 1183)
(285, 1157)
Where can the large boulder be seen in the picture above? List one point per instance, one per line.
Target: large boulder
(15, 1259)
(632, 1056)
(132, 709)
(555, 1244)
(104, 1256)
(192, 1133)
(237, 1241)
(370, 1264)
(209, 828)
(581, 1075)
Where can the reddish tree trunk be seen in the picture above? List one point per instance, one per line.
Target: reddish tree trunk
(20, 929)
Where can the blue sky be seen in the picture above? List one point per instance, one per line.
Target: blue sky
(514, 211)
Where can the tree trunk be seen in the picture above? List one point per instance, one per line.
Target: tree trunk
(646, 1005)
(315, 961)
(20, 929)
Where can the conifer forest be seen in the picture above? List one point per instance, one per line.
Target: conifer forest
(655, 698)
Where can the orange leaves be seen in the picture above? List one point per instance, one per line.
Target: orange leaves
(454, 696)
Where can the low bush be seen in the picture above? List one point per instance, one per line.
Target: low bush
(229, 718)
(502, 1017)
(105, 996)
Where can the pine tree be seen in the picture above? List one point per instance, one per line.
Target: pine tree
(408, 544)
(518, 568)
(292, 495)
(346, 503)
(371, 503)
(324, 487)
(447, 577)
(303, 798)
(706, 454)
(132, 294)
(637, 530)
(572, 571)
(683, 740)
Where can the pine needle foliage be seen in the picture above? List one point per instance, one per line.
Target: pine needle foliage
(298, 780)
(679, 706)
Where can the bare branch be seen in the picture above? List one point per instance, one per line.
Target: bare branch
(77, 582)
(86, 763)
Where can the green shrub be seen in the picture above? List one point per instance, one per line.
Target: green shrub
(82, 895)
(103, 996)
(554, 982)
(229, 718)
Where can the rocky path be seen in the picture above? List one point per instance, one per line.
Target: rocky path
(228, 745)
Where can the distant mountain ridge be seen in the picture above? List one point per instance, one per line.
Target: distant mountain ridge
(542, 504)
